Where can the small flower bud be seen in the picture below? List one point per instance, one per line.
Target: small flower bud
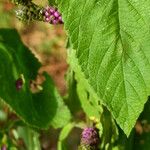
(29, 12)
(19, 83)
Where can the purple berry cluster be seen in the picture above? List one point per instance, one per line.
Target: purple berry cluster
(52, 15)
(89, 137)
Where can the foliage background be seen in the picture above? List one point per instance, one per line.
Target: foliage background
(48, 44)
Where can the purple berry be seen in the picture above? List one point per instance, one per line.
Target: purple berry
(60, 19)
(47, 14)
(56, 14)
(54, 21)
(19, 83)
(47, 19)
(52, 10)
(89, 137)
(4, 147)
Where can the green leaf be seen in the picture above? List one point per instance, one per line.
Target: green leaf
(37, 109)
(111, 40)
(29, 136)
(89, 100)
(72, 100)
(63, 135)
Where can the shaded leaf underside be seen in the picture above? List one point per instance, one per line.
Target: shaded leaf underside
(112, 43)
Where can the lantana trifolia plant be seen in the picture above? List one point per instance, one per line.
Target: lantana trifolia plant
(108, 50)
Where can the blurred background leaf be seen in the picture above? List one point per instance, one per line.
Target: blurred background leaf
(37, 109)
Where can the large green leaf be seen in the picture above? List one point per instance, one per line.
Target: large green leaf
(37, 109)
(112, 43)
